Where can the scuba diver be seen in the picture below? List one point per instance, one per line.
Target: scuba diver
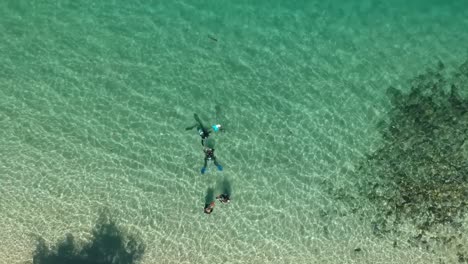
(204, 131)
(224, 198)
(209, 208)
(209, 155)
(207, 143)
(209, 201)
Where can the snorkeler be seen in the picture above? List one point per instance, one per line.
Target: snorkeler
(224, 198)
(203, 131)
(209, 155)
(209, 208)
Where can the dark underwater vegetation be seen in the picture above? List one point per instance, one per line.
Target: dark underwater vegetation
(419, 174)
(109, 245)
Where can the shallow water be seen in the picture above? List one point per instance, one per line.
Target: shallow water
(95, 97)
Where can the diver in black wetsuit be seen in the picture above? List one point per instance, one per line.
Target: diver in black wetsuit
(203, 131)
(209, 155)
(224, 198)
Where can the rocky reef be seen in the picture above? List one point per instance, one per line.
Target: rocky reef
(419, 174)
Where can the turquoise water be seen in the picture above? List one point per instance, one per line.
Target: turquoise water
(95, 97)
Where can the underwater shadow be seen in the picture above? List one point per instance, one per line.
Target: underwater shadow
(225, 187)
(109, 245)
(210, 196)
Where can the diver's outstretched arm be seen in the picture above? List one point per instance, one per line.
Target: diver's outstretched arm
(198, 120)
(191, 127)
(199, 123)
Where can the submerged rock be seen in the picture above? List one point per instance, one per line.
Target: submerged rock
(420, 173)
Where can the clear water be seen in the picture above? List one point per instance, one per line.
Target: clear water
(94, 99)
